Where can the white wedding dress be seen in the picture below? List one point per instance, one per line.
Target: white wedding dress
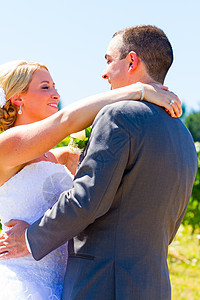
(26, 196)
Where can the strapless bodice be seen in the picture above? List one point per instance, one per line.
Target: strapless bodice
(26, 196)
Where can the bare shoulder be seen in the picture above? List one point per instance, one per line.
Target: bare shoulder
(65, 156)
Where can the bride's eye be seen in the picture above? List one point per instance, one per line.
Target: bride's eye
(45, 87)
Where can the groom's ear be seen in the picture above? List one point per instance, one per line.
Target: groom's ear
(132, 60)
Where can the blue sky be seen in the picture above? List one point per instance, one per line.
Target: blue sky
(71, 39)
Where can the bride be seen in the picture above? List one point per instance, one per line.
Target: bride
(31, 125)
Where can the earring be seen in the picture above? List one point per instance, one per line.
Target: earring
(20, 110)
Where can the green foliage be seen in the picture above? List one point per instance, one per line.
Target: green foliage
(192, 122)
(192, 216)
(184, 265)
(64, 142)
(81, 144)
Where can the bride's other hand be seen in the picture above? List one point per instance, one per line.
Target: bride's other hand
(160, 95)
(12, 242)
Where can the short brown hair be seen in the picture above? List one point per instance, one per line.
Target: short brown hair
(152, 47)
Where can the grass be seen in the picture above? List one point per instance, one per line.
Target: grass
(184, 265)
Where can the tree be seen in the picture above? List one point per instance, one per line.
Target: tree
(192, 122)
(192, 215)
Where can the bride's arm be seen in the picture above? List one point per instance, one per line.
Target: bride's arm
(24, 143)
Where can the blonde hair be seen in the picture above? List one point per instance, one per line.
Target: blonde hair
(15, 77)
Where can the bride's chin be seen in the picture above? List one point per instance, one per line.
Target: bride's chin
(52, 111)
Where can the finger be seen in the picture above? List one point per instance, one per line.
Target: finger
(178, 107)
(165, 88)
(178, 103)
(9, 237)
(6, 255)
(13, 252)
(3, 254)
(175, 108)
(7, 244)
(3, 235)
(11, 223)
(167, 111)
(3, 241)
(170, 110)
(3, 249)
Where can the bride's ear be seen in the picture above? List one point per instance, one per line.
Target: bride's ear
(16, 100)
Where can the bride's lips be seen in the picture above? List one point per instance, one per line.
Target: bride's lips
(55, 105)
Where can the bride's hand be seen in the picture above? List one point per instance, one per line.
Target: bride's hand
(160, 95)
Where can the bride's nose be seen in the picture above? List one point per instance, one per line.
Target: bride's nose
(55, 94)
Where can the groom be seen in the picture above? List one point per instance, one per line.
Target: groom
(131, 190)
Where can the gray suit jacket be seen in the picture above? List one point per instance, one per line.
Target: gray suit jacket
(129, 197)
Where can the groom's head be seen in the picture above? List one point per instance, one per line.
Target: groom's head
(140, 53)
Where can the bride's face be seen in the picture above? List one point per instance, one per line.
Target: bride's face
(41, 99)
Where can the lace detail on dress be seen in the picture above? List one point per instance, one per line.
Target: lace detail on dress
(26, 196)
